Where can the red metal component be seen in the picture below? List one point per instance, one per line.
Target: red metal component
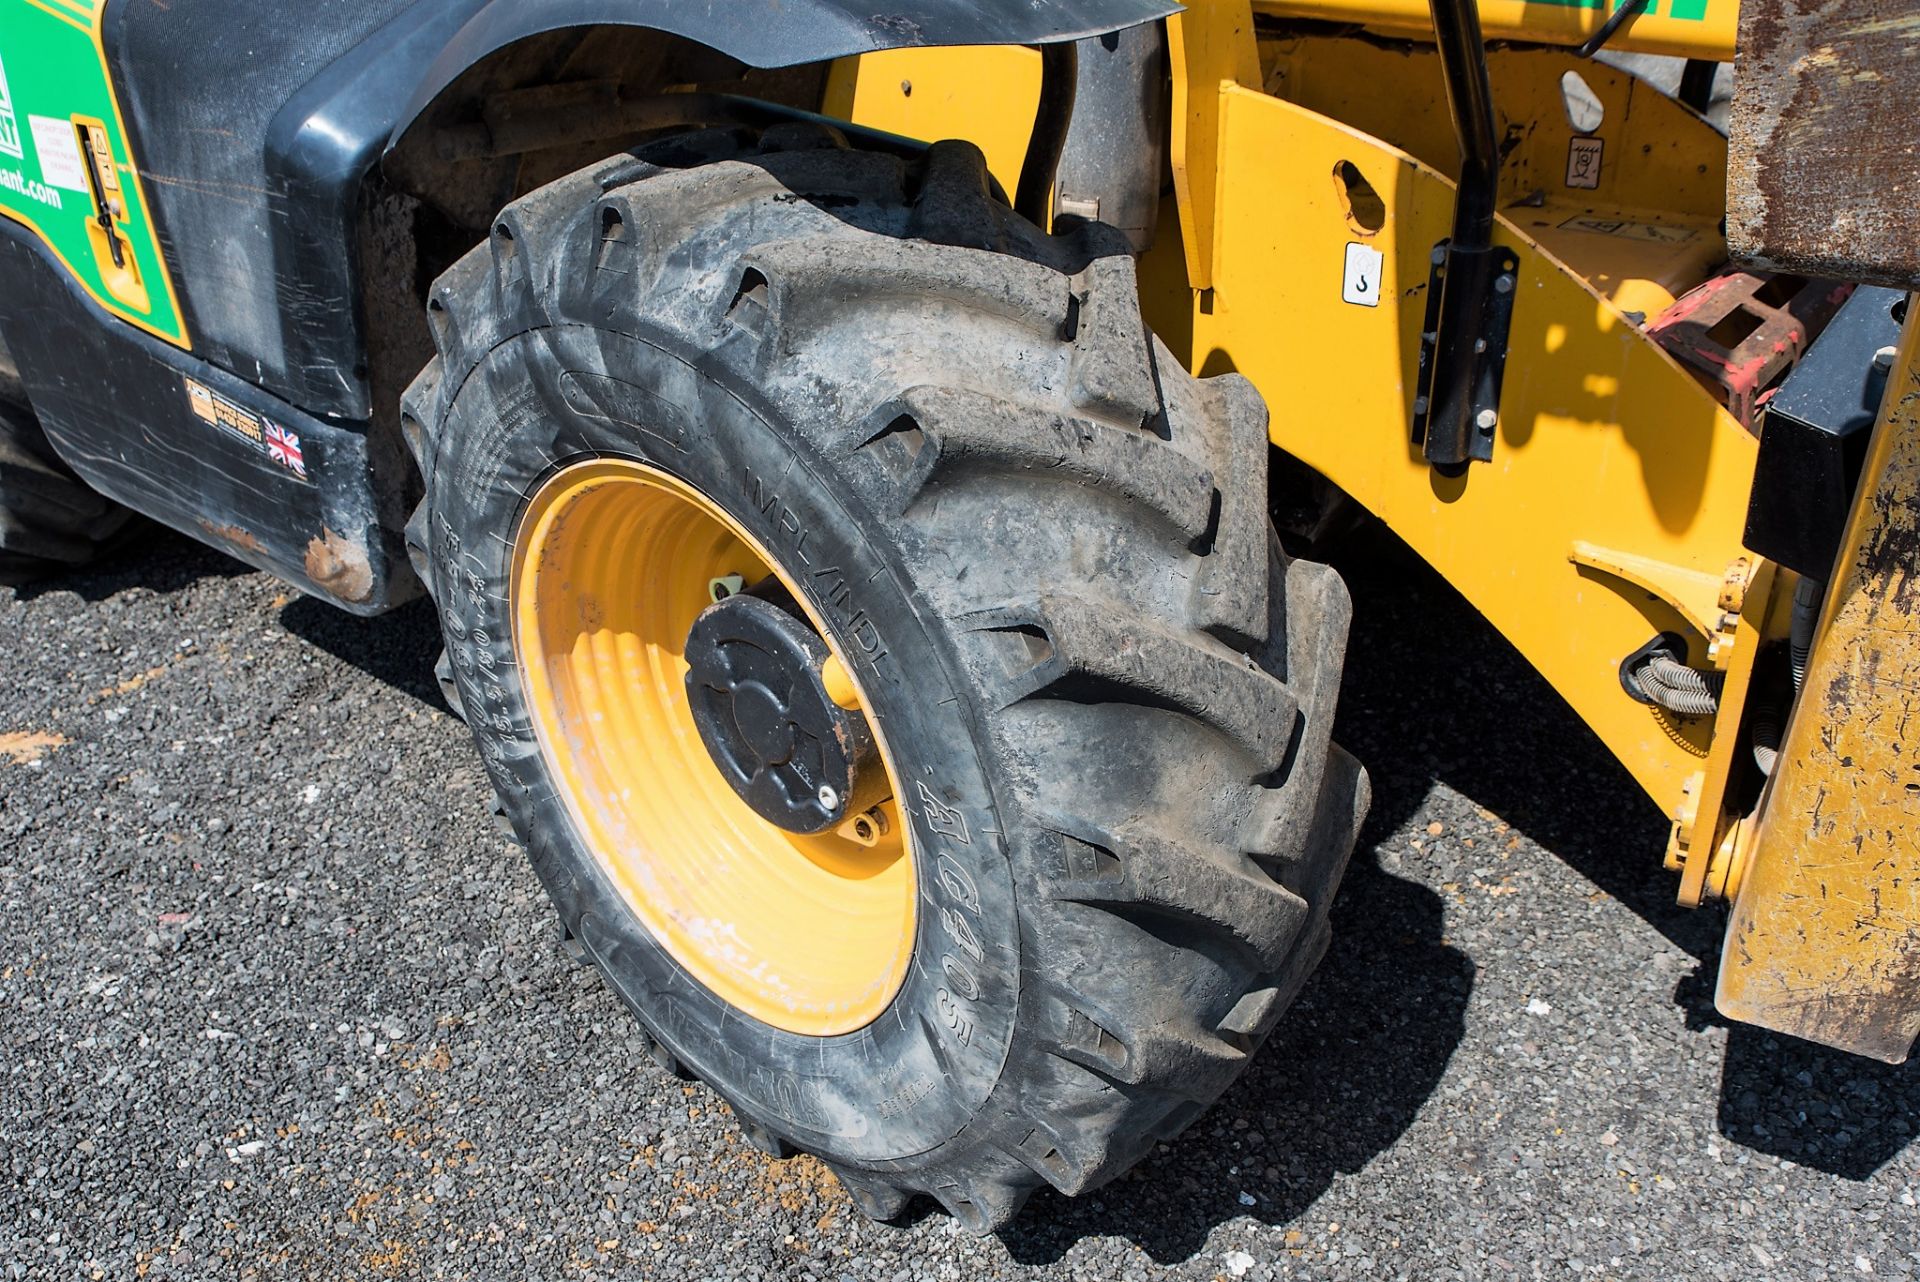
(1741, 332)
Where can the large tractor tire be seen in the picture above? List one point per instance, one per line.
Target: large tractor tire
(879, 643)
(50, 521)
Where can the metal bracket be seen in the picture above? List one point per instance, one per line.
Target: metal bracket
(1456, 404)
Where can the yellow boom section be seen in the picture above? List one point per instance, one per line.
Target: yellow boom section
(1682, 28)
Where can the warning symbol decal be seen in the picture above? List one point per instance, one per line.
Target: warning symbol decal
(9, 123)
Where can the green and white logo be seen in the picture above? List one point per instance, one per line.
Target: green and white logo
(9, 123)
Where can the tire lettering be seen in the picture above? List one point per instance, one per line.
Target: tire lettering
(955, 1017)
(906, 1097)
(960, 977)
(962, 934)
(763, 498)
(958, 884)
(829, 582)
(787, 1096)
(945, 820)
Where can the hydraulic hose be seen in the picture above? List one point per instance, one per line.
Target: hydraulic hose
(1807, 596)
(1678, 688)
(1766, 728)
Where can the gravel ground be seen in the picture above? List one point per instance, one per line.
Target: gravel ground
(275, 1001)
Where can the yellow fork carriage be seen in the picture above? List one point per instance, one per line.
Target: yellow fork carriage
(1558, 332)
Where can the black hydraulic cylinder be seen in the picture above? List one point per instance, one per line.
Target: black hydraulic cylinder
(1457, 413)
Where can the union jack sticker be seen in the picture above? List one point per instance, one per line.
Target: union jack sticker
(284, 448)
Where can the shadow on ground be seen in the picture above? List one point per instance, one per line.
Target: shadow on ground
(397, 648)
(151, 557)
(1338, 1083)
(1432, 694)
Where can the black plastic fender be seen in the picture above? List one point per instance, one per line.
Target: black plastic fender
(790, 33)
(257, 129)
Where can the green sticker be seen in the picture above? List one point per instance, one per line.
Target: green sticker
(65, 168)
(1683, 10)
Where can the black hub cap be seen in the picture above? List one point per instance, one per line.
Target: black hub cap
(787, 748)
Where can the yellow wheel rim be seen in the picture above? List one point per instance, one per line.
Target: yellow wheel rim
(613, 561)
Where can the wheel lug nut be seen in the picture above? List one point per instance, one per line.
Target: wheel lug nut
(866, 828)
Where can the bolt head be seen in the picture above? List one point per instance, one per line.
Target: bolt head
(1485, 420)
(829, 797)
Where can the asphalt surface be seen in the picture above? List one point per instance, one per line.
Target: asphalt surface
(277, 1002)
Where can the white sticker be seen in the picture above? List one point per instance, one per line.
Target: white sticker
(59, 151)
(1361, 284)
(1583, 162)
(9, 123)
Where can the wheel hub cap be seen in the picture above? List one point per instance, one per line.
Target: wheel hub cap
(754, 677)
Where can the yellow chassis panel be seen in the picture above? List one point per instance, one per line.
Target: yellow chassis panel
(1614, 505)
(1604, 440)
(933, 93)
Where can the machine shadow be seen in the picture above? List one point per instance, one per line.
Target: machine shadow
(1434, 694)
(396, 648)
(147, 555)
(1837, 1113)
(1367, 1043)
(1338, 1083)
(1473, 713)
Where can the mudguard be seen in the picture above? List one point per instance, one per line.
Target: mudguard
(252, 132)
(791, 33)
(258, 131)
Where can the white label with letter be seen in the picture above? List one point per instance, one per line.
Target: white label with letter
(1361, 284)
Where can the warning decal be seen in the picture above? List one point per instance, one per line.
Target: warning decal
(1583, 162)
(1654, 232)
(60, 136)
(273, 441)
(59, 150)
(9, 123)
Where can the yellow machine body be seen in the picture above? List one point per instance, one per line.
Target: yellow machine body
(1682, 28)
(1615, 503)
(1614, 506)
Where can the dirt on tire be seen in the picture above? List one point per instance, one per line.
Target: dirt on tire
(1045, 547)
